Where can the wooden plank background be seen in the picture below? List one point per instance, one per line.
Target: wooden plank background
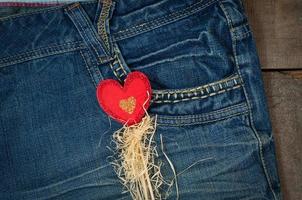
(284, 93)
(277, 28)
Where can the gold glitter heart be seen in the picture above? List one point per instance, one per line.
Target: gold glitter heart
(128, 105)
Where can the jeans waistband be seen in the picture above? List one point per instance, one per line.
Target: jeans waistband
(83, 25)
(88, 22)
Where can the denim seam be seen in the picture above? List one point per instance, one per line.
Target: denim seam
(83, 18)
(101, 24)
(52, 50)
(119, 68)
(86, 65)
(73, 18)
(118, 61)
(160, 21)
(121, 65)
(43, 10)
(257, 137)
(95, 68)
(200, 87)
(98, 73)
(198, 97)
(242, 35)
(114, 72)
(116, 69)
(93, 33)
(92, 66)
(82, 30)
(200, 92)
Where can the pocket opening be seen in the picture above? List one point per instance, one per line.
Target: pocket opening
(200, 92)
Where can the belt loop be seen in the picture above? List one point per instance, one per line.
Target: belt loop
(95, 43)
(104, 14)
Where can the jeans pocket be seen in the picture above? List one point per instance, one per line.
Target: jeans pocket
(190, 52)
(190, 62)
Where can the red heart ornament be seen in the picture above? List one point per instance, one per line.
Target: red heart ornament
(126, 104)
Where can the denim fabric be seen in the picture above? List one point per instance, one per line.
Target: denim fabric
(42, 1)
(208, 98)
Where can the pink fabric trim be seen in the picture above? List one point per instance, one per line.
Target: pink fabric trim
(25, 4)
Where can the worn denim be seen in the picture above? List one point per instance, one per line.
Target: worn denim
(208, 99)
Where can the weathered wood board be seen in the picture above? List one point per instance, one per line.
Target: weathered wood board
(284, 94)
(277, 28)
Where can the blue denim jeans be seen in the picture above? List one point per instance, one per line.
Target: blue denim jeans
(208, 98)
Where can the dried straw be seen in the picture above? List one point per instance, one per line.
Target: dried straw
(135, 163)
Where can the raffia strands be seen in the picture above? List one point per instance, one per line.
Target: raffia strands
(135, 163)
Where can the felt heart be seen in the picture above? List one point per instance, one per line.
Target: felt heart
(126, 104)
